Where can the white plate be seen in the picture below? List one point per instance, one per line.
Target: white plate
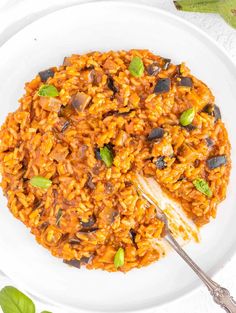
(104, 26)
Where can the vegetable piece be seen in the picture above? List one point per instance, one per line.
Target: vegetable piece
(156, 133)
(89, 183)
(119, 258)
(216, 161)
(187, 117)
(210, 142)
(136, 67)
(44, 75)
(133, 234)
(80, 101)
(106, 155)
(201, 185)
(74, 241)
(14, 301)
(48, 91)
(111, 85)
(153, 69)
(160, 163)
(166, 64)
(185, 82)
(213, 110)
(46, 312)
(162, 86)
(88, 230)
(97, 154)
(50, 104)
(58, 217)
(226, 8)
(39, 181)
(73, 262)
(91, 221)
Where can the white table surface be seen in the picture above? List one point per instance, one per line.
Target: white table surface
(15, 14)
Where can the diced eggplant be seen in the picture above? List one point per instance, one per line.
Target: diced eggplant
(185, 82)
(50, 104)
(162, 86)
(133, 235)
(90, 183)
(153, 69)
(166, 64)
(88, 230)
(156, 133)
(91, 221)
(216, 161)
(210, 142)
(74, 241)
(80, 101)
(160, 163)
(213, 110)
(97, 154)
(73, 262)
(108, 187)
(111, 85)
(44, 75)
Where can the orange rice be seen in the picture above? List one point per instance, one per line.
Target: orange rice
(91, 209)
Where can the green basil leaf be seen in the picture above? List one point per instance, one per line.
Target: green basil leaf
(227, 10)
(119, 258)
(136, 67)
(208, 6)
(48, 91)
(46, 312)
(202, 186)
(39, 181)
(187, 117)
(106, 155)
(14, 301)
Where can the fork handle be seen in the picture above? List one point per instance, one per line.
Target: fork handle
(220, 295)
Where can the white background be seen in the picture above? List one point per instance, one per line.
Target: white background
(15, 14)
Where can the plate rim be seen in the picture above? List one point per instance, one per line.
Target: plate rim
(150, 7)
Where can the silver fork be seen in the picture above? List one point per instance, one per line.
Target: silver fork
(219, 294)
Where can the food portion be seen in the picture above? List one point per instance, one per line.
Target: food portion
(70, 153)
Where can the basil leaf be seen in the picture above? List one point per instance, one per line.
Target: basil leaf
(226, 8)
(187, 117)
(202, 186)
(39, 181)
(107, 156)
(119, 258)
(136, 67)
(14, 301)
(46, 312)
(210, 6)
(48, 91)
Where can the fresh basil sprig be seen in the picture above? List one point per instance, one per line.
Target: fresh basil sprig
(13, 300)
(226, 8)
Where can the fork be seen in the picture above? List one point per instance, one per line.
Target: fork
(219, 294)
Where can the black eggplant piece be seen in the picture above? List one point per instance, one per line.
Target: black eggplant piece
(185, 82)
(156, 133)
(162, 86)
(44, 75)
(160, 163)
(216, 161)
